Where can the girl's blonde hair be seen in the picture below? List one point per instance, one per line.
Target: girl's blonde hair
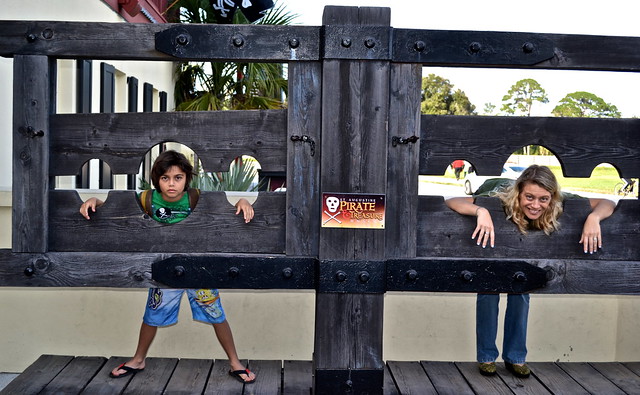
(510, 197)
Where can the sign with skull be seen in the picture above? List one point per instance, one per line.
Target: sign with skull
(352, 210)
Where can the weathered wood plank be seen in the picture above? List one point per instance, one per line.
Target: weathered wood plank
(528, 386)
(103, 384)
(633, 366)
(389, 386)
(556, 379)
(580, 144)
(402, 166)
(355, 114)
(268, 378)
(133, 270)
(275, 43)
(220, 383)
(31, 137)
(590, 378)
(507, 49)
(482, 384)
(121, 225)
(133, 41)
(40, 373)
(619, 375)
(154, 378)
(411, 378)
(446, 378)
(75, 376)
(189, 377)
(297, 377)
(303, 159)
(443, 232)
(122, 139)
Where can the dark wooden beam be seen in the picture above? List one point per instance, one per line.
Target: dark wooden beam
(122, 139)
(303, 159)
(580, 144)
(432, 274)
(133, 41)
(31, 136)
(305, 43)
(121, 225)
(355, 115)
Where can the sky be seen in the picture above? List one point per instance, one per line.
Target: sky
(611, 18)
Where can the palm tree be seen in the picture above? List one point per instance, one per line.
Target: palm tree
(229, 85)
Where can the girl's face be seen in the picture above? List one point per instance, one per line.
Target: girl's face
(534, 200)
(172, 184)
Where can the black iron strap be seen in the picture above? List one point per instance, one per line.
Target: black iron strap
(342, 276)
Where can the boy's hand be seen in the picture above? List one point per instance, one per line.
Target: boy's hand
(91, 203)
(246, 208)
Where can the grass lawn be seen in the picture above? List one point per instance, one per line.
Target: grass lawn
(602, 180)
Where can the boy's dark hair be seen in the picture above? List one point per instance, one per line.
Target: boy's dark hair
(165, 161)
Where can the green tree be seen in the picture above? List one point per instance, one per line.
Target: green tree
(520, 98)
(489, 108)
(438, 97)
(229, 85)
(585, 104)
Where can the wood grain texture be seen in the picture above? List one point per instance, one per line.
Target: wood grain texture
(411, 378)
(446, 378)
(590, 378)
(122, 139)
(442, 232)
(580, 144)
(30, 135)
(101, 40)
(401, 202)
(303, 159)
(121, 225)
(75, 376)
(36, 377)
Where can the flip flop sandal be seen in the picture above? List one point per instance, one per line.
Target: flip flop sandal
(236, 374)
(128, 370)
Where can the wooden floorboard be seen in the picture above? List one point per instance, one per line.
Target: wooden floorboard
(58, 374)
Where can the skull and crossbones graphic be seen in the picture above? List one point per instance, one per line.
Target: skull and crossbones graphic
(332, 205)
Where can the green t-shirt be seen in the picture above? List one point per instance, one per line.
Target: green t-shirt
(169, 212)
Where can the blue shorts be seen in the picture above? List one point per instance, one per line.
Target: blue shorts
(163, 306)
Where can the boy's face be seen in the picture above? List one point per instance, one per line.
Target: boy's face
(172, 184)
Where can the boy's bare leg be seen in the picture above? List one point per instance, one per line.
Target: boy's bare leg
(225, 337)
(147, 334)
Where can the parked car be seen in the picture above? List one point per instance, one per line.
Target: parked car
(472, 181)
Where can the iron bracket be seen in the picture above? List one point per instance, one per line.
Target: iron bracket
(450, 47)
(351, 276)
(214, 271)
(463, 275)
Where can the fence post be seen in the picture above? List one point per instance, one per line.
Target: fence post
(355, 115)
(31, 108)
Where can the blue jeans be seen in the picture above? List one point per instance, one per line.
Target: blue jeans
(514, 346)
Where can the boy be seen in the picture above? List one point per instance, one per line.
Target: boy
(171, 175)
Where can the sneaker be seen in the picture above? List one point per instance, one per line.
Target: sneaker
(521, 371)
(487, 368)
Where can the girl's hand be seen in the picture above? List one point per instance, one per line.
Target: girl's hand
(90, 204)
(591, 238)
(484, 228)
(246, 208)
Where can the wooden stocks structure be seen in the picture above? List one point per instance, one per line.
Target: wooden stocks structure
(352, 128)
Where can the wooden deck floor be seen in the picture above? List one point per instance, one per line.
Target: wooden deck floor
(52, 374)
